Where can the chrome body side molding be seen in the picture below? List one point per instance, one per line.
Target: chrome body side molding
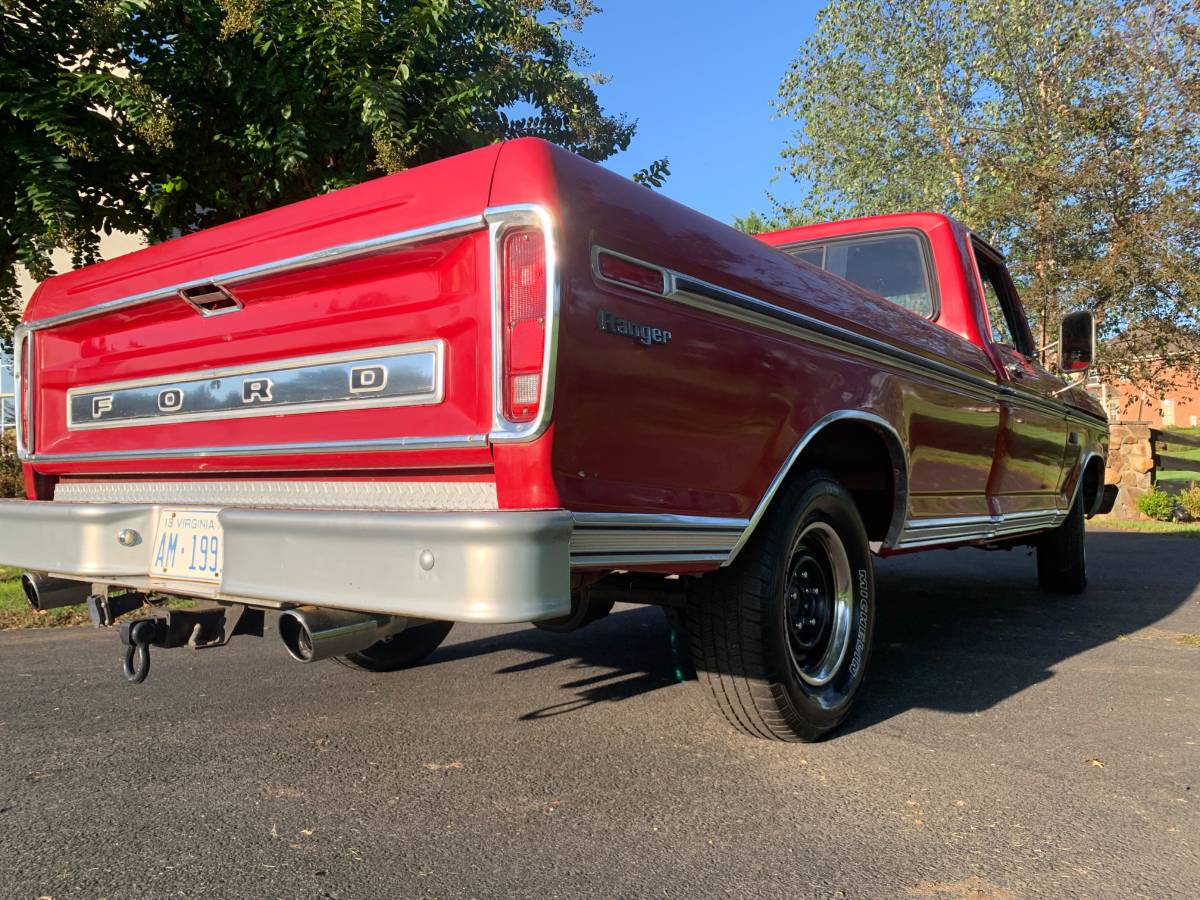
(731, 304)
(970, 529)
(616, 540)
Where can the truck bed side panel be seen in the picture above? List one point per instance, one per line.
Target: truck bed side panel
(701, 425)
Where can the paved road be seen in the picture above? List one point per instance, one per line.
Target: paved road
(1010, 745)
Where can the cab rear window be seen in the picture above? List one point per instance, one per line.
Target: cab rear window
(895, 266)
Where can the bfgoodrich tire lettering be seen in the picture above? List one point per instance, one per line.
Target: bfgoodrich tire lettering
(781, 638)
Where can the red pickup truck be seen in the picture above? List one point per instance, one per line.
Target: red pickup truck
(512, 386)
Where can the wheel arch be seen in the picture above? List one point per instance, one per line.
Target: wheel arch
(842, 442)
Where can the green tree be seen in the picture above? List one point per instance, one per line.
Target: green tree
(165, 116)
(752, 223)
(1063, 131)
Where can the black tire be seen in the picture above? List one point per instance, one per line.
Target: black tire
(402, 650)
(1062, 555)
(778, 669)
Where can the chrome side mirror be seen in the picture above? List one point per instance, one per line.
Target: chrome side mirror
(1077, 342)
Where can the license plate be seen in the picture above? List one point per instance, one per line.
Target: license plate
(188, 546)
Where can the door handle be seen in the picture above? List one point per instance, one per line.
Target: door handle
(1016, 371)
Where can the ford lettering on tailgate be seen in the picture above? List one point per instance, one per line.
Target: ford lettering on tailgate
(405, 375)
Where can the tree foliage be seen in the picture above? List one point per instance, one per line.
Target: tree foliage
(654, 175)
(1063, 131)
(165, 116)
(12, 478)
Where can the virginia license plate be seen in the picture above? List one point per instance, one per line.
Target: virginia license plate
(188, 545)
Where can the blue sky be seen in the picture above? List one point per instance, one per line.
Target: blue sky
(699, 76)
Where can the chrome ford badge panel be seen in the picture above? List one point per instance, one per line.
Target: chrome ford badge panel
(403, 375)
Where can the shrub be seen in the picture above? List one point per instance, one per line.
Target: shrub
(12, 482)
(1190, 501)
(1156, 504)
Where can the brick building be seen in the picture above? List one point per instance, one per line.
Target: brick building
(1177, 406)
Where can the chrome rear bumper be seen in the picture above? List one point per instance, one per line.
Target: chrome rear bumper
(493, 566)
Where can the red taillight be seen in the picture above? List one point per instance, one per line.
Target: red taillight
(524, 311)
(626, 271)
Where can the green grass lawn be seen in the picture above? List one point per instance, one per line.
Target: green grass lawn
(15, 611)
(1172, 480)
(1187, 529)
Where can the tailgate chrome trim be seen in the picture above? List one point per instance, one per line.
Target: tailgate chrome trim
(411, 374)
(325, 256)
(25, 389)
(371, 445)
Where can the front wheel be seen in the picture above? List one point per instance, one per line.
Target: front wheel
(780, 638)
(1062, 555)
(401, 650)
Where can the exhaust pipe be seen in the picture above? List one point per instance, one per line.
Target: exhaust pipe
(44, 592)
(312, 633)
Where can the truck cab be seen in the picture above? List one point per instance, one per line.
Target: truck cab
(937, 268)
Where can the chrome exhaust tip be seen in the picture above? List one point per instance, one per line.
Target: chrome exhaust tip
(313, 633)
(44, 592)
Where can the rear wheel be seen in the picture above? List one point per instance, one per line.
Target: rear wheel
(1062, 555)
(402, 650)
(780, 638)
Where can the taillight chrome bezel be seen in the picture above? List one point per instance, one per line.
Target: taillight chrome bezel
(502, 221)
(665, 281)
(22, 369)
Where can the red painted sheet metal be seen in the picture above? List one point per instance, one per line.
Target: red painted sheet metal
(702, 424)
(437, 289)
(438, 192)
(947, 240)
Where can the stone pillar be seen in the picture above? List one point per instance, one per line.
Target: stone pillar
(1130, 466)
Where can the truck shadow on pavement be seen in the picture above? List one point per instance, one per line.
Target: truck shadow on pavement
(958, 631)
(634, 645)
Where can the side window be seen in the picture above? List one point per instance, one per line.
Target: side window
(813, 255)
(892, 265)
(1001, 333)
(1000, 300)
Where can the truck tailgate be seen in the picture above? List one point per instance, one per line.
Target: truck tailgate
(356, 325)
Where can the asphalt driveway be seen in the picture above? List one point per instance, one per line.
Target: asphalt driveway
(1009, 745)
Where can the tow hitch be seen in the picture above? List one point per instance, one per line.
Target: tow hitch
(196, 628)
